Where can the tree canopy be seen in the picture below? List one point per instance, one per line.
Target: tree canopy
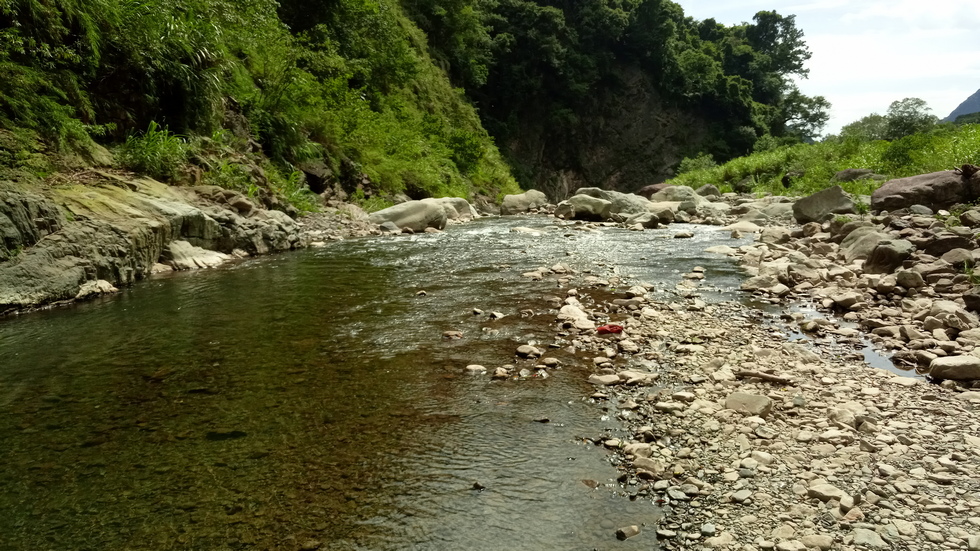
(412, 93)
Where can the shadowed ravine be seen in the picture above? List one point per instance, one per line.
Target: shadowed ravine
(311, 396)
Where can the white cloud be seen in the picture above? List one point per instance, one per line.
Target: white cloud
(869, 53)
(916, 14)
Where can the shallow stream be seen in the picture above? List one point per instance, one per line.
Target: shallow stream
(310, 397)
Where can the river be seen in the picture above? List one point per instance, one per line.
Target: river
(310, 400)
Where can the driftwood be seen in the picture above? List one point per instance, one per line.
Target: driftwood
(745, 374)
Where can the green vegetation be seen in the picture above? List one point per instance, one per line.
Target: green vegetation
(346, 83)
(539, 67)
(381, 93)
(157, 153)
(807, 168)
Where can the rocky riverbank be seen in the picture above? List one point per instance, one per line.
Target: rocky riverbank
(87, 234)
(752, 437)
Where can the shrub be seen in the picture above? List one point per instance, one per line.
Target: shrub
(157, 153)
(701, 162)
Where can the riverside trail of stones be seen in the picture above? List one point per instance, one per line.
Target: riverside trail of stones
(750, 441)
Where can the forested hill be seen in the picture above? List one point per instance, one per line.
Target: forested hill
(388, 97)
(614, 93)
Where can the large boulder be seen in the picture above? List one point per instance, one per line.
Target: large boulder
(584, 207)
(414, 215)
(936, 190)
(958, 368)
(677, 194)
(456, 208)
(860, 242)
(622, 203)
(646, 219)
(708, 190)
(888, 255)
(663, 211)
(823, 205)
(942, 243)
(516, 204)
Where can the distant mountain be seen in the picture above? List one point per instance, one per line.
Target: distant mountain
(971, 105)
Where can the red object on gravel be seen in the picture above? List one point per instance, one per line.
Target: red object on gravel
(607, 329)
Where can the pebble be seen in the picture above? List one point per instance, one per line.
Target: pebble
(830, 454)
(627, 532)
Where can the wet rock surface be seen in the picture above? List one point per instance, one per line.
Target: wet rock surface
(58, 241)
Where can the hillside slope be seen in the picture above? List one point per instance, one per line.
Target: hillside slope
(970, 105)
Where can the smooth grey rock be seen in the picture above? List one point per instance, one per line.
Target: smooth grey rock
(868, 538)
(413, 215)
(957, 368)
(823, 542)
(825, 492)
(946, 242)
(708, 190)
(971, 218)
(604, 380)
(909, 279)
(575, 317)
(528, 351)
(887, 256)
(751, 404)
(936, 190)
(627, 532)
(647, 220)
(741, 496)
(520, 203)
(91, 289)
(677, 194)
(622, 203)
(775, 235)
(861, 241)
(181, 255)
(959, 258)
(584, 207)
(456, 208)
(823, 205)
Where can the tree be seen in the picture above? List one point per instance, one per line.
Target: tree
(778, 38)
(909, 116)
(804, 116)
(870, 128)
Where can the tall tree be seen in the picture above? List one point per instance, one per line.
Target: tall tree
(803, 116)
(909, 116)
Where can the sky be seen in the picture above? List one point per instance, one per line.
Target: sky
(869, 53)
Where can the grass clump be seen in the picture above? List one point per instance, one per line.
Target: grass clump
(156, 152)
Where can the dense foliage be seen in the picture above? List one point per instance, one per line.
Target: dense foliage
(544, 61)
(348, 83)
(807, 168)
(380, 91)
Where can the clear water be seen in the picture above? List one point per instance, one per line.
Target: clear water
(311, 396)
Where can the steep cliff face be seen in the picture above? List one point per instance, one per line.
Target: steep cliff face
(629, 137)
